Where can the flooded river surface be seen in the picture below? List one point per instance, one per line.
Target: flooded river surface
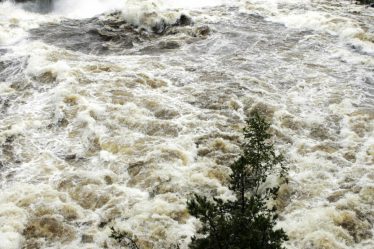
(113, 112)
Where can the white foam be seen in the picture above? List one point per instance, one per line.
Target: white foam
(193, 4)
(299, 14)
(10, 240)
(89, 8)
(111, 113)
(14, 23)
(85, 8)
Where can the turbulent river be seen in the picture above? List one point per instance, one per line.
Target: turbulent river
(113, 112)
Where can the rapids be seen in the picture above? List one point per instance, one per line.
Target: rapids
(113, 112)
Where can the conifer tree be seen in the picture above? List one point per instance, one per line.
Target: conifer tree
(247, 222)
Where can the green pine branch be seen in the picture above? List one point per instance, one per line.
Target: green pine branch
(247, 222)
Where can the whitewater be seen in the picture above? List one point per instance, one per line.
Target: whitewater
(113, 112)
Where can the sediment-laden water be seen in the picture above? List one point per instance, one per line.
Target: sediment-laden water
(113, 112)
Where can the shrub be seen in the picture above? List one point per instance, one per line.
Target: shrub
(247, 222)
(370, 2)
(124, 239)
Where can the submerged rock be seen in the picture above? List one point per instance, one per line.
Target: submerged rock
(169, 45)
(113, 33)
(86, 238)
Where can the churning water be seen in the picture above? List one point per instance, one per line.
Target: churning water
(103, 124)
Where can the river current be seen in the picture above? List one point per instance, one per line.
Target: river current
(113, 112)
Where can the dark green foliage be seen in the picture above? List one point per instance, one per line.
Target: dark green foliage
(365, 1)
(247, 222)
(124, 239)
(128, 241)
